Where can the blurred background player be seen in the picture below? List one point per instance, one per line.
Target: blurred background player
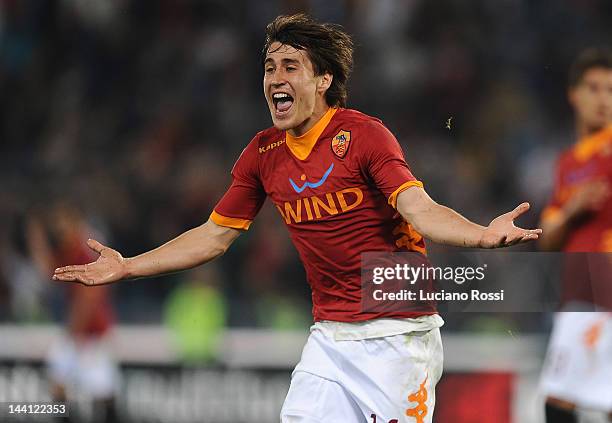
(79, 363)
(578, 368)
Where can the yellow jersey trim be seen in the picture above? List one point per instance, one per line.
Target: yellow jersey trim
(593, 144)
(230, 222)
(302, 146)
(393, 197)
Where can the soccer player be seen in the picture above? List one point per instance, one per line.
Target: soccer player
(578, 367)
(79, 362)
(340, 182)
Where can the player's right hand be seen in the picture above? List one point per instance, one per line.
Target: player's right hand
(110, 267)
(588, 198)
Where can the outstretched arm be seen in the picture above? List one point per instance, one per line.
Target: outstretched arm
(445, 226)
(192, 248)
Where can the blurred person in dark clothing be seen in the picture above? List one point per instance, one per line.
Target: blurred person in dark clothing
(578, 369)
(79, 362)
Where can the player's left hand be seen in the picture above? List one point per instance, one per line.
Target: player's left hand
(501, 232)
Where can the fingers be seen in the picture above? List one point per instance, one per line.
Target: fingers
(519, 210)
(75, 273)
(529, 233)
(74, 268)
(72, 277)
(520, 236)
(529, 237)
(525, 237)
(95, 245)
(510, 241)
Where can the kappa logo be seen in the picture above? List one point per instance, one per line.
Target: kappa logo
(271, 146)
(419, 411)
(340, 143)
(307, 184)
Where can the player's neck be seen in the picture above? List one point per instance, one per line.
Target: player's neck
(319, 111)
(583, 130)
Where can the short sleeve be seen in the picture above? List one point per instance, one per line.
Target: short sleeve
(245, 196)
(383, 161)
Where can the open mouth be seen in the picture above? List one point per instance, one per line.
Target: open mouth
(282, 103)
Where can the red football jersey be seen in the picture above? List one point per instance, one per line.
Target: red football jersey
(335, 187)
(90, 310)
(586, 278)
(589, 160)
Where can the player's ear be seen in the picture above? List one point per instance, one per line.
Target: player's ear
(325, 81)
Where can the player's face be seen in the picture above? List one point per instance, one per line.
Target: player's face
(592, 98)
(290, 87)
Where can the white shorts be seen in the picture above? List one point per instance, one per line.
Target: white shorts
(578, 364)
(388, 379)
(83, 369)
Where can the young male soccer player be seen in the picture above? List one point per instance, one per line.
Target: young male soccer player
(79, 362)
(578, 371)
(340, 182)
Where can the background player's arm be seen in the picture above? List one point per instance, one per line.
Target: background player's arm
(192, 248)
(588, 198)
(445, 226)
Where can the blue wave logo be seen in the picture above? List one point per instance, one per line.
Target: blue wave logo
(311, 184)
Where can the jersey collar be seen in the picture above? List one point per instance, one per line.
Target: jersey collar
(302, 146)
(593, 144)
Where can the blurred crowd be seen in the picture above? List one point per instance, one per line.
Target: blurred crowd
(127, 115)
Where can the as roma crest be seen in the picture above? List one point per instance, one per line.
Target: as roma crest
(340, 143)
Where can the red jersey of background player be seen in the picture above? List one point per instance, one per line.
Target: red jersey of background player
(586, 278)
(90, 312)
(588, 161)
(335, 187)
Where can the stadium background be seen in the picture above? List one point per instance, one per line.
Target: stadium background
(134, 111)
